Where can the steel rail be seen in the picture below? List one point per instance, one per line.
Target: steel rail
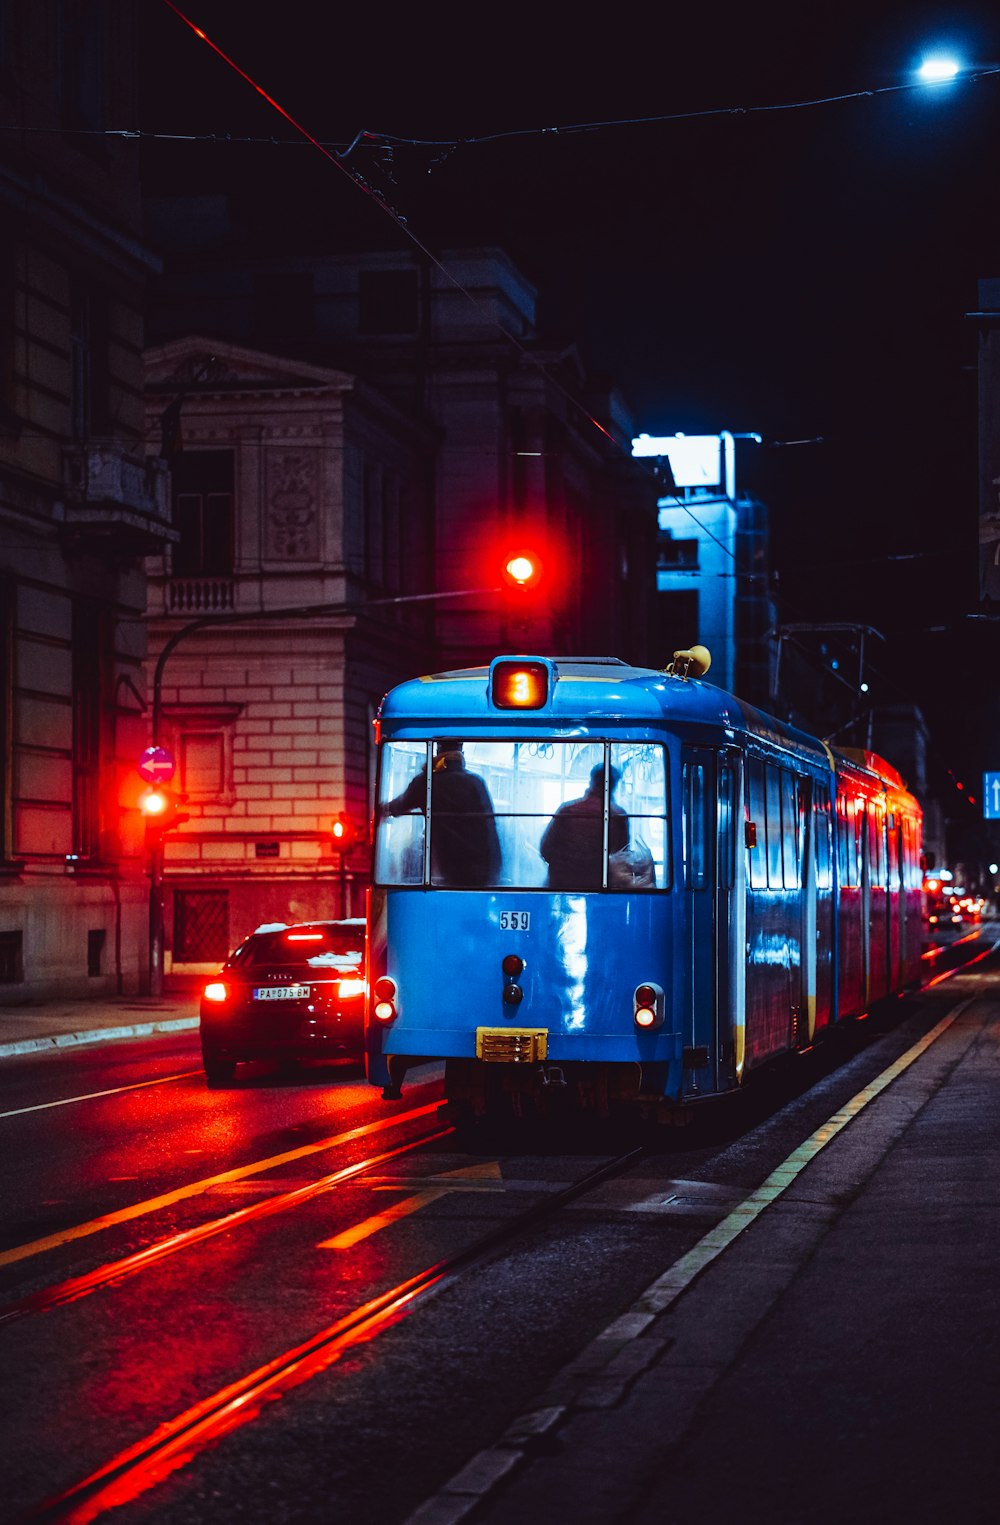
(175, 1442)
(114, 1271)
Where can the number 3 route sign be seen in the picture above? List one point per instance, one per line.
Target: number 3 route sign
(157, 765)
(991, 796)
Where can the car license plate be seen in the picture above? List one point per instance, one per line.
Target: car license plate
(281, 993)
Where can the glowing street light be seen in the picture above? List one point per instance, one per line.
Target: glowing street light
(938, 68)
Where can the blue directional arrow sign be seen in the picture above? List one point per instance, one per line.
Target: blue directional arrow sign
(991, 796)
(157, 765)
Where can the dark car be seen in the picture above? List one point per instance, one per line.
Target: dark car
(287, 993)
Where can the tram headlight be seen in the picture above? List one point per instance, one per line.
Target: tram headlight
(386, 996)
(647, 1006)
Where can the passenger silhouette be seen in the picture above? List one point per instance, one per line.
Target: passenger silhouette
(573, 842)
(465, 847)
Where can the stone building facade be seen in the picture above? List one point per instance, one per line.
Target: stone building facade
(390, 428)
(80, 505)
(302, 506)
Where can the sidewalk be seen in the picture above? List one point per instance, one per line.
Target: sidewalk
(828, 1352)
(51, 1025)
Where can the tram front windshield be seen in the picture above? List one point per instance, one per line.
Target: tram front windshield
(560, 815)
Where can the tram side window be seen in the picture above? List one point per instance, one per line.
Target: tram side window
(695, 827)
(843, 836)
(775, 877)
(789, 830)
(847, 842)
(876, 846)
(644, 863)
(758, 815)
(400, 839)
(521, 788)
(821, 835)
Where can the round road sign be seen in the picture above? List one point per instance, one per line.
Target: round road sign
(157, 765)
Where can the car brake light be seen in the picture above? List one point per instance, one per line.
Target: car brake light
(348, 988)
(216, 991)
(304, 937)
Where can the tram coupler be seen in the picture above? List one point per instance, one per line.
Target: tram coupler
(551, 1075)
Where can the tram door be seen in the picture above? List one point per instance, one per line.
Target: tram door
(711, 811)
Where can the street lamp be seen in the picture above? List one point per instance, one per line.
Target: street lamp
(938, 69)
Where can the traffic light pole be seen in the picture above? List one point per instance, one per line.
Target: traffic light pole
(156, 939)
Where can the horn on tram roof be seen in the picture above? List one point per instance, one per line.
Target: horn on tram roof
(691, 663)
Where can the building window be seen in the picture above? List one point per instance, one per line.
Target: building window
(8, 319)
(95, 952)
(388, 301)
(90, 360)
(283, 305)
(203, 763)
(201, 926)
(88, 646)
(11, 958)
(371, 522)
(203, 513)
(80, 66)
(677, 553)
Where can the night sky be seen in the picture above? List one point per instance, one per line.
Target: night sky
(803, 272)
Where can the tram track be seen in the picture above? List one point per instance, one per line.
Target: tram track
(115, 1271)
(179, 1439)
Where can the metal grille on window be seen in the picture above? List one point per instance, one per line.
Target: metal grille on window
(201, 926)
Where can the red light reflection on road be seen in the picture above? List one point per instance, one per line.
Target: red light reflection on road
(138, 1468)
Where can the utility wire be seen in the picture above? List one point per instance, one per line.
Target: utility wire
(374, 137)
(400, 222)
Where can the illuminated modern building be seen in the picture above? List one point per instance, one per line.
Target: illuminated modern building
(712, 573)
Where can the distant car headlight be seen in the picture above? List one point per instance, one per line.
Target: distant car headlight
(348, 988)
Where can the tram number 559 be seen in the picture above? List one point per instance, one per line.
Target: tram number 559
(515, 921)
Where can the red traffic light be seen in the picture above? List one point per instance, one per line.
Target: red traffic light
(160, 807)
(343, 831)
(522, 569)
(154, 802)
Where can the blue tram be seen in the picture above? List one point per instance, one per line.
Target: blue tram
(622, 887)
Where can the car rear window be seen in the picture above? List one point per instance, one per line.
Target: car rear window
(318, 947)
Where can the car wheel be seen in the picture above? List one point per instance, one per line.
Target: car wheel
(218, 1071)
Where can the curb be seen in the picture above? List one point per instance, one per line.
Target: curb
(96, 1035)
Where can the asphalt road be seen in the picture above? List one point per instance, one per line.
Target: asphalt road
(113, 1153)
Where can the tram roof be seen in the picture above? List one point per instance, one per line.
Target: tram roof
(589, 690)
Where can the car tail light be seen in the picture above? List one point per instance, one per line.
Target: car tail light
(304, 937)
(348, 988)
(386, 999)
(647, 1006)
(216, 991)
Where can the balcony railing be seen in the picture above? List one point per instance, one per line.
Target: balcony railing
(200, 595)
(111, 491)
